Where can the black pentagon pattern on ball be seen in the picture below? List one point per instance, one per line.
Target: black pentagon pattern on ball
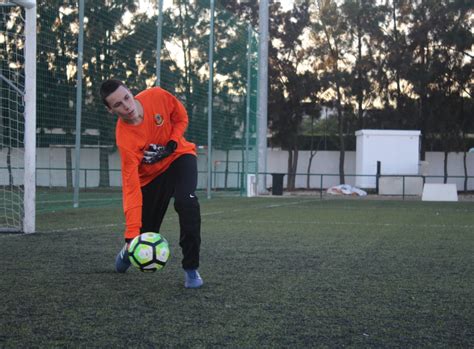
(154, 258)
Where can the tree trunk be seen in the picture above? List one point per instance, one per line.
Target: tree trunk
(104, 174)
(295, 165)
(186, 61)
(342, 179)
(226, 175)
(9, 166)
(292, 164)
(423, 111)
(308, 178)
(334, 53)
(445, 167)
(312, 153)
(340, 119)
(293, 169)
(69, 168)
(423, 127)
(360, 96)
(464, 161)
(397, 66)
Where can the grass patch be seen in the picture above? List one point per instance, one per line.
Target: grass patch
(279, 272)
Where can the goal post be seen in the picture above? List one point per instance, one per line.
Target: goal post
(22, 83)
(29, 218)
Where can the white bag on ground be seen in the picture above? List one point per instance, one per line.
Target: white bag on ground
(346, 189)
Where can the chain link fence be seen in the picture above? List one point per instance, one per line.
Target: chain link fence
(128, 40)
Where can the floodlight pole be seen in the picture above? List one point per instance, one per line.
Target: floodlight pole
(262, 107)
(209, 103)
(247, 106)
(80, 54)
(159, 35)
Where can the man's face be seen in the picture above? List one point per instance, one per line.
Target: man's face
(122, 103)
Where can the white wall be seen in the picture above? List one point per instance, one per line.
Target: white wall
(51, 165)
(325, 162)
(435, 165)
(16, 161)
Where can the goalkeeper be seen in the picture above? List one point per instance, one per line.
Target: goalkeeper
(158, 163)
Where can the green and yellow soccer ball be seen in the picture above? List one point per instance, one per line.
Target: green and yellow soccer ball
(149, 252)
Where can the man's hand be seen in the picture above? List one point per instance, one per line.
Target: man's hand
(156, 152)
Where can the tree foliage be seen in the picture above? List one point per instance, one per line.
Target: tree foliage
(377, 64)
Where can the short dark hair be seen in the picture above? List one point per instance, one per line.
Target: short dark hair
(108, 87)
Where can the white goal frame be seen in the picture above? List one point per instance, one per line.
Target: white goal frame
(29, 220)
(29, 199)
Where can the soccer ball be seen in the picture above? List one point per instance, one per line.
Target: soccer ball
(149, 252)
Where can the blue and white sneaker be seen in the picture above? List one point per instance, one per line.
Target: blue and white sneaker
(122, 263)
(192, 279)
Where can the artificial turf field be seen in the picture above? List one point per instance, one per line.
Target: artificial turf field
(286, 272)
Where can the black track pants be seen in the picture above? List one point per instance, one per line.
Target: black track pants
(178, 181)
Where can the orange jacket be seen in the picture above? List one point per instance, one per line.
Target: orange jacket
(164, 119)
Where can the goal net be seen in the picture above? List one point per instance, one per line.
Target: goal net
(17, 115)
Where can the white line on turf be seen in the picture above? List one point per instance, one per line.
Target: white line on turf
(283, 222)
(216, 213)
(82, 200)
(321, 223)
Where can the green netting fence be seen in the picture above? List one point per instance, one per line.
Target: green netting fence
(12, 82)
(121, 40)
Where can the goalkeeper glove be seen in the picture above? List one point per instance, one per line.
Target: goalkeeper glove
(156, 152)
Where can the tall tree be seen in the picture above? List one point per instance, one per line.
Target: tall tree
(331, 38)
(439, 40)
(105, 57)
(293, 89)
(189, 31)
(394, 52)
(363, 18)
(57, 49)
(230, 84)
(11, 66)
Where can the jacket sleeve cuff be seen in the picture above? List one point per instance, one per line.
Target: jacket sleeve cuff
(133, 218)
(131, 233)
